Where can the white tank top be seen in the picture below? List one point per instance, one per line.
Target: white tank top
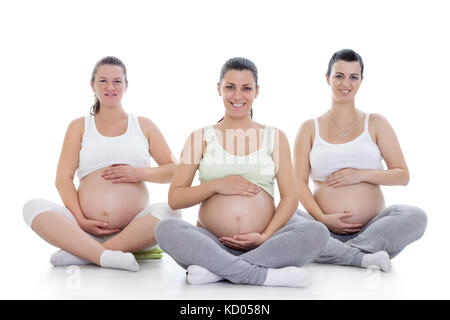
(98, 151)
(360, 153)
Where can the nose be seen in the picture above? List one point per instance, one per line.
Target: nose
(237, 94)
(346, 82)
(110, 86)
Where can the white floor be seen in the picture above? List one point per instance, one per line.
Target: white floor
(29, 275)
(421, 271)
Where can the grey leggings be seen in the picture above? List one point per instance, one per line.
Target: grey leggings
(299, 242)
(391, 230)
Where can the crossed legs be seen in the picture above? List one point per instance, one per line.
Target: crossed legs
(56, 225)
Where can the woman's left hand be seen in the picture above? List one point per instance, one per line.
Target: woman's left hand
(343, 177)
(121, 173)
(244, 242)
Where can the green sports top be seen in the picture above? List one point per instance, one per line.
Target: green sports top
(257, 167)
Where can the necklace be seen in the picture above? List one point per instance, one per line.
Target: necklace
(345, 131)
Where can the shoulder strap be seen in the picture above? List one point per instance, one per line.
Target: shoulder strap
(134, 122)
(209, 134)
(316, 125)
(269, 136)
(366, 123)
(87, 122)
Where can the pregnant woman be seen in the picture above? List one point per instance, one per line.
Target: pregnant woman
(109, 216)
(240, 235)
(342, 152)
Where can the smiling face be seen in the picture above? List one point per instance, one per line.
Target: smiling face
(109, 85)
(238, 89)
(345, 79)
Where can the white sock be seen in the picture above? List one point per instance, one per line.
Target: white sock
(288, 277)
(118, 260)
(379, 260)
(63, 258)
(199, 275)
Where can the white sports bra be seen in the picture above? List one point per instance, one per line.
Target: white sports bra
(360, 153)
(98, 151)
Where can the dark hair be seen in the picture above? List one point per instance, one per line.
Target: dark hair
(347, 55)
(111, 61)
(239, 63)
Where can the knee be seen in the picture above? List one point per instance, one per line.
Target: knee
(31, 209)
(165, 229)
(319, 234)
(418, 219)
(413, 222)
(315, 234)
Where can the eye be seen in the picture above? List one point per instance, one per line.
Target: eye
(229, 87)
(354, 77)
(248, 88)
(339, 76)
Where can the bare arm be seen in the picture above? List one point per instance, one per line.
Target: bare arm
(397, 172)
(286, 185)
(181, 193)
(302, 148)
(161, 152)
(67, 165)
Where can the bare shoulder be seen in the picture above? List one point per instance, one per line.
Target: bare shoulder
(194, 147)
(76, 126)
(78, 122)
(197, 134)
(377, 118)
(307, 126)
(279, 134)
(378, 121)
(196, 138)
(146, 123)
(306, 130)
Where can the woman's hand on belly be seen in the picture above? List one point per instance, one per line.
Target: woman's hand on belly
(244, 242)
(236, 185)
(343, 177)
(114, 203)
(229, 215)
(118, 173)
(96, 227)
(336, 223)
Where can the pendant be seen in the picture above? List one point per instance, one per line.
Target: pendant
(345, 133)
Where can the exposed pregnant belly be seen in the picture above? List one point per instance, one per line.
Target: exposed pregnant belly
(228, 215)
(115, 203)
(364, 200)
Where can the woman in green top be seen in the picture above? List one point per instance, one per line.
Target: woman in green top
(240, 235)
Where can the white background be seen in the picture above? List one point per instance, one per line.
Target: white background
(174, 50)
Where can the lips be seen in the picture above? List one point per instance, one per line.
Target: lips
(345, 91)
(110, 94)
(238, 105)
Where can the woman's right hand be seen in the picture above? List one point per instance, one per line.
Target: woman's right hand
(336, 224)
(96, 227)
(235, 184)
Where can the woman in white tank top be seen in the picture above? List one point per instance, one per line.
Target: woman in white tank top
(341, 152)
(108, 217)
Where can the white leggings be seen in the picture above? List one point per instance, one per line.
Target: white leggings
(34, 207)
